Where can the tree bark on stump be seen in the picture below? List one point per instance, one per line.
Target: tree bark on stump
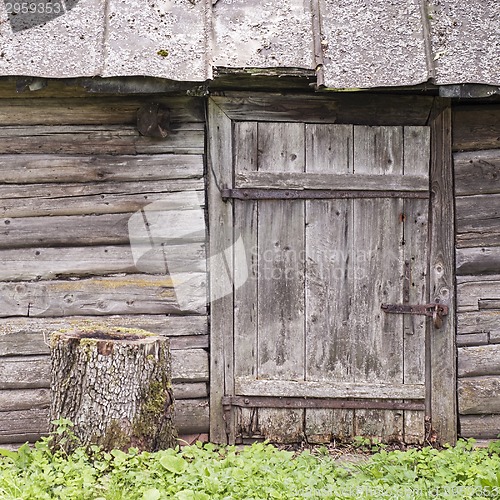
(115, 386)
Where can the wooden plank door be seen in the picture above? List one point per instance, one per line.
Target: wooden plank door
(334, 220)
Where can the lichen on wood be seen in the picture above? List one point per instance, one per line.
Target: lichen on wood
(114, 385)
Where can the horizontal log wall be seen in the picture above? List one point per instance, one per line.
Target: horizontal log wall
(79, 188)
(476, 142)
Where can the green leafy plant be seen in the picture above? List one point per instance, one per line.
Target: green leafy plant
(367, 444)
(207, 471)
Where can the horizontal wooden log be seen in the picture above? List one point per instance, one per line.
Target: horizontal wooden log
(167, 226)
(477, 172)
(478, 220)
(47, 263)
(480, 426)
(472, 339)
(173, 195)
(476, 209)
(189, 365)
(27, 336)
(479, 395)
(31, 399)
(190, 391)
(25, 344)
(24, 399)
(190, 416)
(359, 109)
(310, 389)
(495, 334)
(478, 361)
(478, 260)
(56, 168)
(130, 294)
(295, 180)
(478, 322)
(470, 289)
(96, 139)
(94, 110)
(24, 425)
(476, 127)
(489, 238)
(25, 372)
(32, 372)
(126, 87)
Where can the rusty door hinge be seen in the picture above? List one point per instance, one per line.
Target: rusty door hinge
(436, 311)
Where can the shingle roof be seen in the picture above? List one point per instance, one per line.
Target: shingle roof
(352, 43)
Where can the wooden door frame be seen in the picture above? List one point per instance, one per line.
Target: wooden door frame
(354, 109)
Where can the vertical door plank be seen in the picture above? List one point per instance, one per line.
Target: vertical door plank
(377, 270)
(245, 297)
(442, 341)
(221, 238)
(416, 231)
(281, 278)
(329, 149)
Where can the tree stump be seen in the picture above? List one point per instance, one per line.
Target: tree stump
(115, 386)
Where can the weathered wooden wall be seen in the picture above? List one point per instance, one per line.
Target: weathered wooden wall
(73, 171)
(476, 142)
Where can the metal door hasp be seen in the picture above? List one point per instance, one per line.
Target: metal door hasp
(436, 311)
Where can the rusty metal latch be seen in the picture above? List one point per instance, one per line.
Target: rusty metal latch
(436, 311)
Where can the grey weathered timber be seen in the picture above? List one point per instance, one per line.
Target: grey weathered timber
(390, 243)
(471, 289)
(478, 260)
(359, 109)
(98, 139)
(221, 238)
(245, 296)
(476, 172)
(377, 266)
(328, 349)
(473, 339)
(24, 399)
(22, 426)
(478, 220)
(169, 194)
(68, 202)
(476, 127)
(101, 296)
(480, 426)
(190, 416)
(442, 342)
(25, 372)
(479, 395)
(280, 297)
(190, 366)
(416, 274)
(479, 360)
(60, 168)
(190, 391)
(316, 179)
(323, 389)
(25, 335)
(46, 263)
(96, 110)
(477, 321)
(88, 230)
